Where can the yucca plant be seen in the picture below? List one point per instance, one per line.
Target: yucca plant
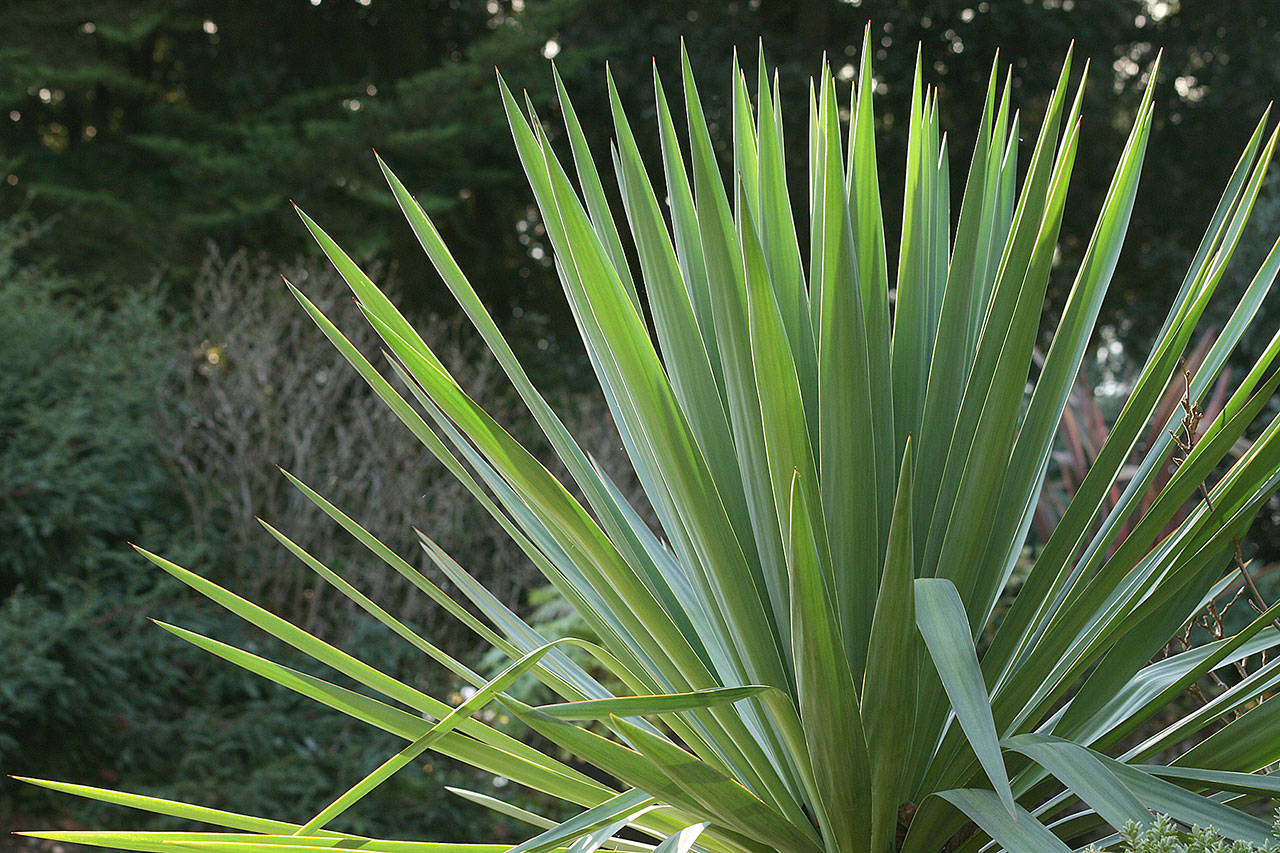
(843, 480)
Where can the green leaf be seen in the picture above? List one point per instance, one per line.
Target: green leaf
(644, 706)
(483, 747)
(1086, 777)
(628, 765)
(682, 841)
(593, 190)
(214, 842)
(1260, 784)
(1167, 798)
(1246, 744)
(366, 604)
(726, 799)
(889, 687)
(621, 809)
(853, 407)
(171, 808)
(502, 807)
(452, 720)
(944, 626)
(837, 744)
(1012, 828)
(777, 230)
(786, 429)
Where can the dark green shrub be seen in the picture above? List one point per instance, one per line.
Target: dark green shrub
(79, 477)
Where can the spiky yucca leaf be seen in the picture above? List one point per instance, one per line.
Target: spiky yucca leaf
(844, 467)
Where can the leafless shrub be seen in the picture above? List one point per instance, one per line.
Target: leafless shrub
(259, 386)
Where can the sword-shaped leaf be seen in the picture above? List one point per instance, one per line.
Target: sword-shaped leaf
(943, 624)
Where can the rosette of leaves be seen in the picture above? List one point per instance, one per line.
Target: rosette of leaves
(843, 451)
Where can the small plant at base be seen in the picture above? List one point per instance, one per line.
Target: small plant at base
(1163, 836)
(842, 487)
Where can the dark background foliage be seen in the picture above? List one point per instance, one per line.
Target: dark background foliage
(148, 127)
(142, 373)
